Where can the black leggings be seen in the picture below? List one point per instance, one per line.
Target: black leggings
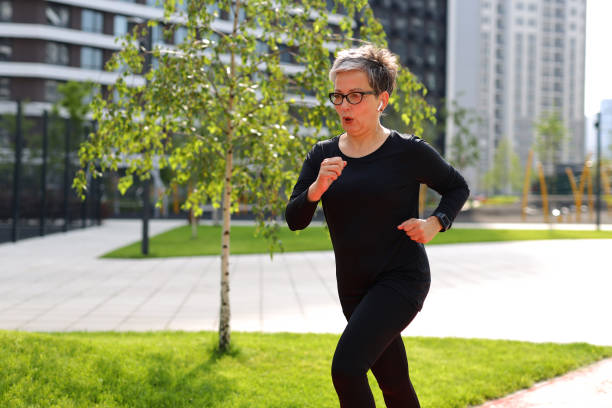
(372, 340)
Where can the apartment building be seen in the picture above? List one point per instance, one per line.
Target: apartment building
(416, 31)
(513, 61)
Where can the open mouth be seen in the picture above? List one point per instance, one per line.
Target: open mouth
(347, 120)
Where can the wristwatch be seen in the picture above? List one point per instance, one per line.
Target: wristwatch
(444, 220)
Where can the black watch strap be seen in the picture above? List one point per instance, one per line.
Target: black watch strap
(444, 220)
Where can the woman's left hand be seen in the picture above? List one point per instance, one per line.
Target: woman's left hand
(420, 230)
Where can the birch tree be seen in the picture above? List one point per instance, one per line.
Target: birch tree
(215, 107)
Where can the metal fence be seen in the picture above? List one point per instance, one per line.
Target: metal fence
(38, 160)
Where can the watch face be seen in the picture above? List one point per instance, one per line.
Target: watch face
(443, 220)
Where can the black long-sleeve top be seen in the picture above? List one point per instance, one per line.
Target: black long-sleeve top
(364, 206)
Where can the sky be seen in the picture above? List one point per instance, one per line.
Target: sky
(598, 64)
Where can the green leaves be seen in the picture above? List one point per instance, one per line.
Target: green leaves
(226, 88)
(551, 134)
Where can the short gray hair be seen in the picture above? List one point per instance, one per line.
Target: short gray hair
(379, 64)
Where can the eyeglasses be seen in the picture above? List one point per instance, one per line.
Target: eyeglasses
(352, 97)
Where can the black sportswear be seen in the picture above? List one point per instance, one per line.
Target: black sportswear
(364, 206)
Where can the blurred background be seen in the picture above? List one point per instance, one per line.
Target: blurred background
(522, 88)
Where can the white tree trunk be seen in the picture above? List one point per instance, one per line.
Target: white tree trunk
(224, 313)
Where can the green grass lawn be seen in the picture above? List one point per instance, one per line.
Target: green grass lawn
(178, 241)
(177, 369)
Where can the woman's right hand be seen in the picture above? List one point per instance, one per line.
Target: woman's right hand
(331, 168)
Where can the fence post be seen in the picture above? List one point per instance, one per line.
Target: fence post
(66, 173)
(98, 201)
(146, 208)
(16, 175)
(98, 185)
(146, 188)
(43, 176)
(598, 174)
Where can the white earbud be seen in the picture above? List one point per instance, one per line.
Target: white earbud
(380, 107)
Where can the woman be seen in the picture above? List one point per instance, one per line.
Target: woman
(368, 181)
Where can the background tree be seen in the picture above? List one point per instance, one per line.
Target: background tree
(215, 109)
(463, 151)
(74, 99)
(551, 133)
(506, 175)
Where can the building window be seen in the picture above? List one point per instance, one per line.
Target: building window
(57, 54)
(120, 26)
(92, 21)
(6, 49)
(181, 34)
(182, 6)
(51, 93)
(430, 80)
(58, 16)
(157, 35)
(5, 89)
(431, 57)
(154, 3)
(91, 58)
(6, 10)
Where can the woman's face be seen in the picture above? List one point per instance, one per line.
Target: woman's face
(363, 118)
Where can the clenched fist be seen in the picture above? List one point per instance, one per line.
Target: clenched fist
(420, 230)
(331, 168)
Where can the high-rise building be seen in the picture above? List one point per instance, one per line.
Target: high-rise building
(416, 32)
(606, 128)
(513, 61)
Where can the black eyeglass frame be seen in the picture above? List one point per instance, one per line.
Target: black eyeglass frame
(332, 94)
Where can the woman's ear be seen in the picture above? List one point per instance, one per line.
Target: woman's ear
(384, 100)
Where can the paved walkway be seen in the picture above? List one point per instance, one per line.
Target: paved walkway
(590, 387)
(555, 291)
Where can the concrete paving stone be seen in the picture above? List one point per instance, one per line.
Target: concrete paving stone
(10, 324)
(142, 325)
(198, 300)
(281, 323)
(192, 324)
(19, 315)
(247, 324)
(47, 323)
